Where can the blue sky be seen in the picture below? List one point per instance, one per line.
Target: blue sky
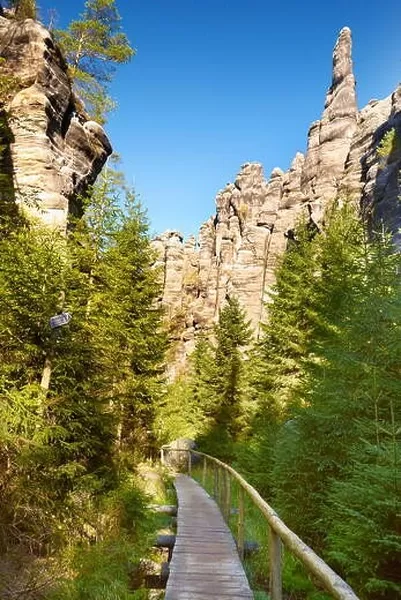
(216, 83)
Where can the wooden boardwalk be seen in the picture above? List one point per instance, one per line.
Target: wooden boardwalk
(205, 563)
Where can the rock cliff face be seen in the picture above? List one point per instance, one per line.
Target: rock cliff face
(55, 152)
(237, 250)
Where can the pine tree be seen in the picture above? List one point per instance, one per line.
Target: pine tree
(331, 453)
(24, 9)
(363, 512)
(32, 274)
(49, 442)
(203, 374)
(277, 358)
(327, 279)
(133, 322)
(232, 335)
(175, 414)
(185, 409)
(220, 387)
(107, 366)
(93, 45)
(124, 320)
(363, 502)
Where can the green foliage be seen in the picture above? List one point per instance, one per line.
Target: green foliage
(129, 307)
(93, 45)
(232, 335)
(103, 570)
(103, 573)
(276, 361)
(63, 450)
(177, 416)
(254, 455)
(297, 583)
(218, 383)
(33, 270)
(203, 378)
(23, 9)
(184, 411)
(187, 407)
(335, 262)
(60, 443)
(388, 144)
(364, 515)
(208, 403)
(122, 310)
(335, 370)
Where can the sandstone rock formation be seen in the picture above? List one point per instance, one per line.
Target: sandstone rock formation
(56, 152)
(237, 250)
(329, 139)
(176, 453)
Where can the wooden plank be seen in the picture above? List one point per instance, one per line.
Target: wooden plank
(205, 562)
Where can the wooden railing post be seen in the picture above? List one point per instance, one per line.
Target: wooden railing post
(215, 482)
(223, 492)
(222, 489)
(162, 456)
(227, 500)
(220, 485)
(204, 471)
(241, 522)
(275, 581)
(189, 463)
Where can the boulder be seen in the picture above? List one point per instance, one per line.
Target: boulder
(176, 453)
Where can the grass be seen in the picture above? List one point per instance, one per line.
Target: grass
(109, 569)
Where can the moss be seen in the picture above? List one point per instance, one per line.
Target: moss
(243, 210)
(389, 144)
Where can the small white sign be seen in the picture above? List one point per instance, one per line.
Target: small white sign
(60, 320)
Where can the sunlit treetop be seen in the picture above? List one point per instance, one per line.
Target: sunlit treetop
(93, 45)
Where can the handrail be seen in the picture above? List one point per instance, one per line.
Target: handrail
(279, 533)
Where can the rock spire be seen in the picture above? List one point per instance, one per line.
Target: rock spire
(329, 140)
(237, 250)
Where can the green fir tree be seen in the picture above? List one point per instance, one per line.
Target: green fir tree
(337, 447)
(219, 385)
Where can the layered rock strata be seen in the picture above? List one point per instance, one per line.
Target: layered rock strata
(237, 250)
(56, 151)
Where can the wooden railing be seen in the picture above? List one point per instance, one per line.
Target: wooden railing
(279, 534)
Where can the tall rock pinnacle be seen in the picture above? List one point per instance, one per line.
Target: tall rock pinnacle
(342, 57)
(329, 140)
(341, 97)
